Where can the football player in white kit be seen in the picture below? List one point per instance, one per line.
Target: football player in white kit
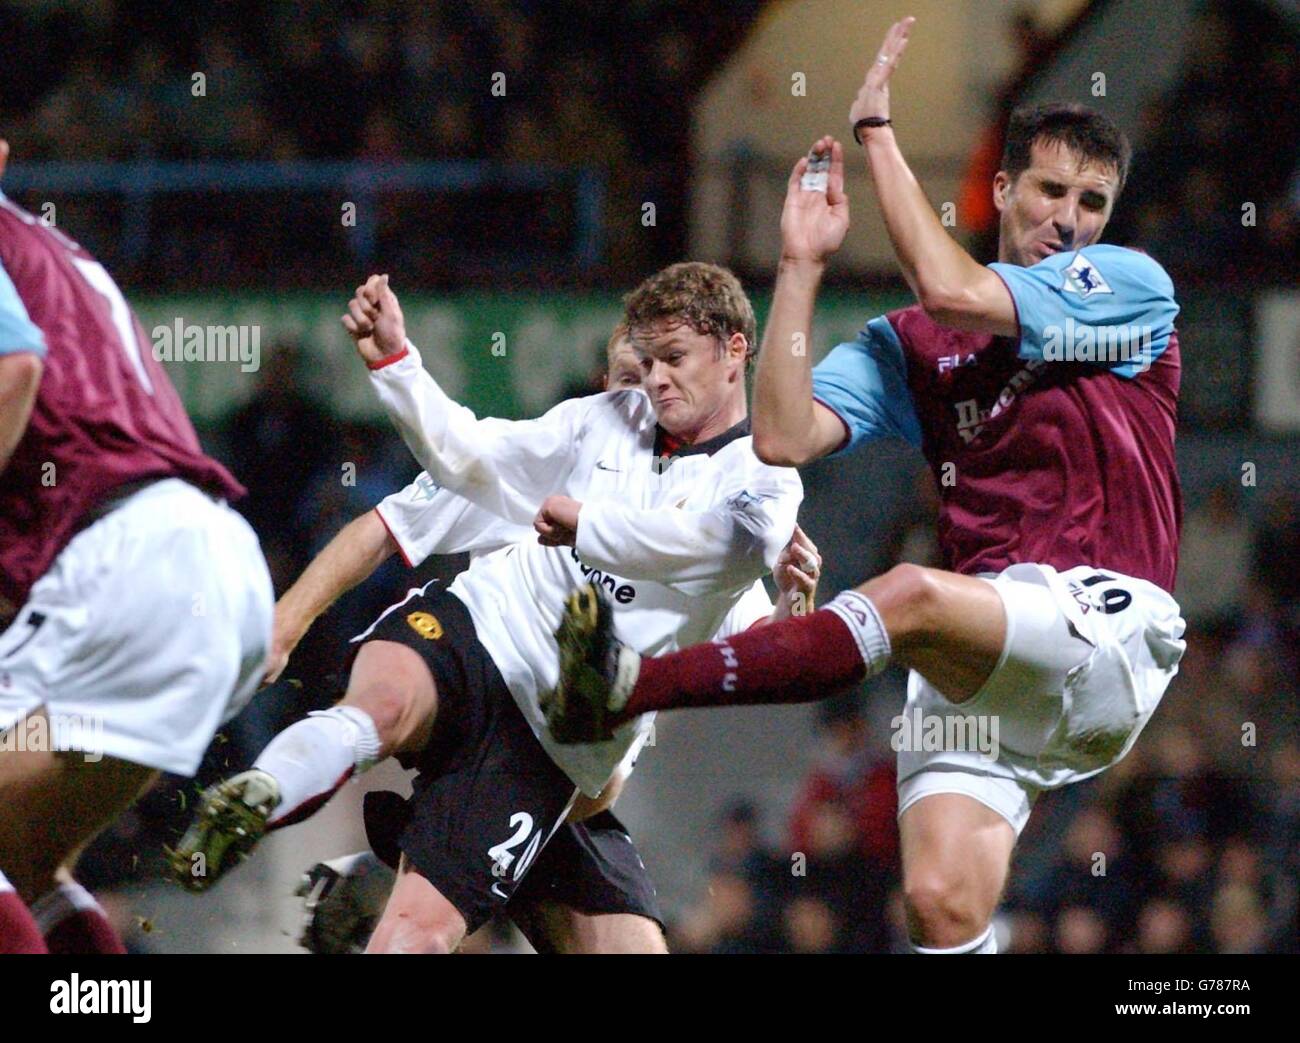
(657, 497)
(588, 890)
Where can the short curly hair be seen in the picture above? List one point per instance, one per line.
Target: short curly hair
(706, 297)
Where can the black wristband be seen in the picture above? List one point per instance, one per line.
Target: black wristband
(870, 121)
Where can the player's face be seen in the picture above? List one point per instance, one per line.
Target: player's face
(689, 380)
(1055, 204)
(624, 368)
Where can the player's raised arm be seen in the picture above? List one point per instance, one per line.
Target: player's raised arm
(953, 288)
(789, 427)
(506, 467)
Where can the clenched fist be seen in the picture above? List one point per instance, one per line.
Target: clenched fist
(375, 322)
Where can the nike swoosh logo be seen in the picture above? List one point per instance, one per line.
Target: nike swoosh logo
(496, 890)
(604, 467)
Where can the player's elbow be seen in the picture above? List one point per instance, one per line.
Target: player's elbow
(780, 451)
(970, 298)
(943, 303)
(22, 373)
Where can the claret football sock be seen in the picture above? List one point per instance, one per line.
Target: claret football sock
(19, 932)
(311, 759)
(798, 660)
(74, 924)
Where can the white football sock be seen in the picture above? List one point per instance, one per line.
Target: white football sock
(312, 758)
(866, 626)
(985, 945)
(627, 670)
(53, 908)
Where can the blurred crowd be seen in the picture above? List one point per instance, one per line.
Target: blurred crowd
(1225, 142)
(384, 80)
(1169, 852)
(1214, 188)
(1215, 192)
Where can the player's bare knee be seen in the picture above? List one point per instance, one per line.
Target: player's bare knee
(908, 597)
(390, 705)
(393, 686)
(941, 912)
(412, 933)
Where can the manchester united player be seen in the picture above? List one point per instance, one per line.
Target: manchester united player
(143, 602)
(588, 890)
(679, 519)
(1052, 622)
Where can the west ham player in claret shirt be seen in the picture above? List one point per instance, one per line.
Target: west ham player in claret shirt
(1042, 390)
(143, 604)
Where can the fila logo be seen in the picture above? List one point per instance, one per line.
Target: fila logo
(950, 362)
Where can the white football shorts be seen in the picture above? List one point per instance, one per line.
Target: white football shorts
(1088, 655)
(147, 633)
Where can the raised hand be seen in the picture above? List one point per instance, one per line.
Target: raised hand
(374, 320)
(813, 223)
(873, 97)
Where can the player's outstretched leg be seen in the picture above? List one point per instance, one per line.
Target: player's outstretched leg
(389, 708)
(947, 627)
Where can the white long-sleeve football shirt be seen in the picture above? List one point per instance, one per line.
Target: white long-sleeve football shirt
(677, 548)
